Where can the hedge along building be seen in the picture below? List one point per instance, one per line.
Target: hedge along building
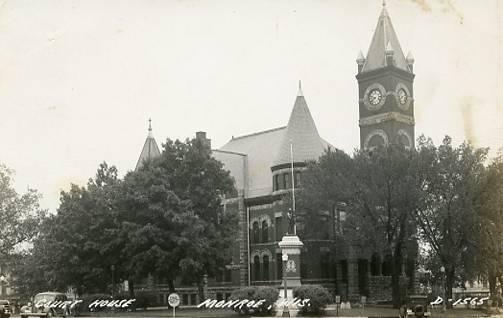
(260, 164)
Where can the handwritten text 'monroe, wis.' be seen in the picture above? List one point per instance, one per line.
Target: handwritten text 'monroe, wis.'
(240, 303)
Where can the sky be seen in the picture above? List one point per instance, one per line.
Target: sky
(80, 79)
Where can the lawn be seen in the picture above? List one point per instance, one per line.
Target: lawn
(370, 311)
(390, 312)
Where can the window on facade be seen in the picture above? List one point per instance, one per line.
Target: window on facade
(276, 182)
(325, 265)
(279, 228)
(297, 179)
(256, 268)
(255, 232)
(341, 217)
(303, 269)
(265, 232)
(344, 270)
(279, 266)
(227, 275)
(375, 265)
(324, 231)
(286, 180)
(387, 266)
(265, 270)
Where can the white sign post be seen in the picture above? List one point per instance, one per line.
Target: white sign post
(174, 301)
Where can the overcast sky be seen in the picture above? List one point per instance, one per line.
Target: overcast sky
(79, 79)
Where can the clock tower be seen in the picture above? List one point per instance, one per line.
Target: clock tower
(385, 83)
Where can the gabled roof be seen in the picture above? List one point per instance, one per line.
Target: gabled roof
(384, 37)
(150, 149)
(253, 176)
(301, 135)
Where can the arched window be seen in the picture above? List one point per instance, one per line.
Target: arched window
(297, 179)
(265, 270)
(255, 232)
(265, 232)
(279, 266)
(276, 182)
(387, 266)
(325, 264)
(375, 265)
(256, 267)
(286, 180)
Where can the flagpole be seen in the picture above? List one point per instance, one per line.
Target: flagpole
(293, 190)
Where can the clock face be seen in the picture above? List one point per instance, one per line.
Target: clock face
(402, 96)
(375, 96)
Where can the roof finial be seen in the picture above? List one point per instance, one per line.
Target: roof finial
(300, 89)
(383, 3)
(150, 127)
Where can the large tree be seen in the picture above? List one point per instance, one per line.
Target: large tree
(379, 190)
(171, 218)
(448, 216)
(20, 215)
(75, 245)
(488, 251)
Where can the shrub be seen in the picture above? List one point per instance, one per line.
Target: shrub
(256, 293)
(145, 299)
(318, 296)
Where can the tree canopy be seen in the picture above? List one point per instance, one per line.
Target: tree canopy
(165, 219)
(20, 214)
(443, 198)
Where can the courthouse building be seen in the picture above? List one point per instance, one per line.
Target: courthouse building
(261, 165)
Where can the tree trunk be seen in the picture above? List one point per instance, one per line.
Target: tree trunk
(131, 287)
(171, 285)
(395, 281)
(449, 283)
(200, 290)
(492, 283)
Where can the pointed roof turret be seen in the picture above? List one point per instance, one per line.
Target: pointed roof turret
(384, 37)
(360, 58)
(301, 132)
(410, 58)
(150, 149)
(300, 93)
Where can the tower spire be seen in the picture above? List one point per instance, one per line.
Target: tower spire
(300, 93)
(150, 127)
(150, 149)
(384, 38)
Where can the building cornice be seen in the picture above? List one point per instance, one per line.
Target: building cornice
(380, 118)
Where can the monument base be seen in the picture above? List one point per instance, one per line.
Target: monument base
(290, 310)
(291, 246)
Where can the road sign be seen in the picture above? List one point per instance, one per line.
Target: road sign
(174, 300)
